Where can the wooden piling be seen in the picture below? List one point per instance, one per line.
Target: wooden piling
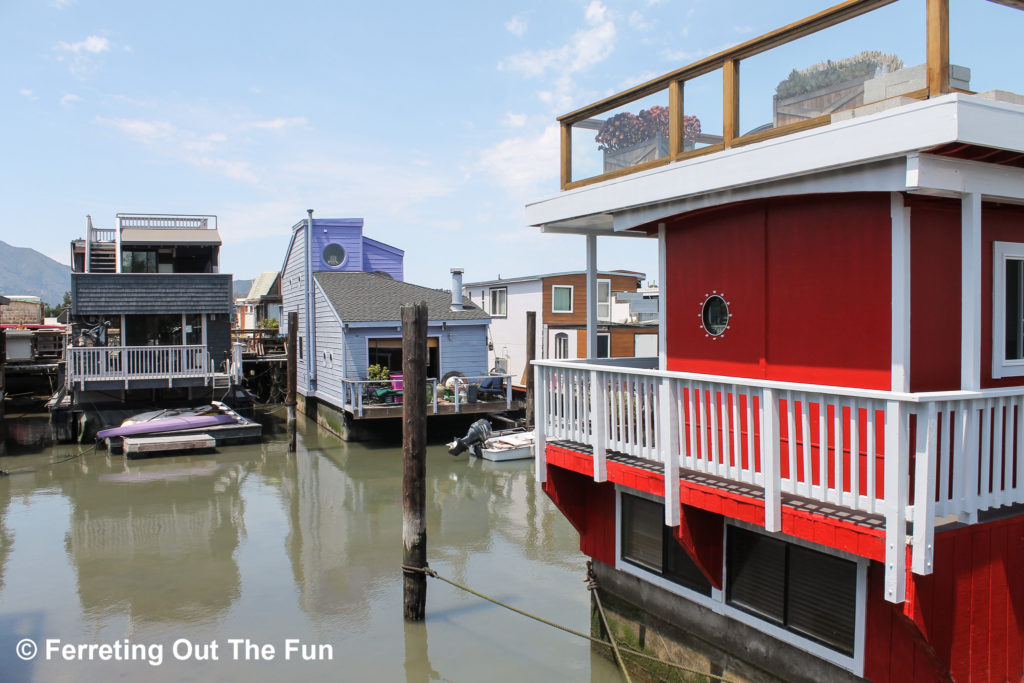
(293, 369)
(414, 456)
(531, 354)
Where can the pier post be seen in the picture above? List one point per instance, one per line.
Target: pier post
(414, 456)
(289, 399)
(531, 355)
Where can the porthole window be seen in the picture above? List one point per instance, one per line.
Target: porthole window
(714, 315)
(333, 255)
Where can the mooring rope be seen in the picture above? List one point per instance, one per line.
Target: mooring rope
(592, 586)
(591, 581)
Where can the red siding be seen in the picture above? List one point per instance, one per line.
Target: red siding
(589, 507)
(962, 623)
(807, 281)
(934, 294)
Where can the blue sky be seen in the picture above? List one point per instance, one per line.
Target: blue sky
(435, 122)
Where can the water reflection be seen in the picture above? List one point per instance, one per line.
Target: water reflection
(262, 543)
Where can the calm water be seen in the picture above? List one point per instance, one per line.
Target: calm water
(257, 543)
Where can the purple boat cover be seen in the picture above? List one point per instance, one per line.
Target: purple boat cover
(167, 424)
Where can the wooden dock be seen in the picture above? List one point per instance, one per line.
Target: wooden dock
(146, 446)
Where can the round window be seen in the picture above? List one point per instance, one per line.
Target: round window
(333, 255)
(715, 315)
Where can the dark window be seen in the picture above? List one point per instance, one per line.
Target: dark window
(1014, 309)
(715, 315)
(647, 543)
(802, 590)
(603, 346)
(333, 255)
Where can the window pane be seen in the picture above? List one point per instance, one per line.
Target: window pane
(822, 599)
(642, 524)
(1014, 311)
(498, 302)
(680, 568)
(562, 299)
(757, 574)
(604, 304)
(602, 346)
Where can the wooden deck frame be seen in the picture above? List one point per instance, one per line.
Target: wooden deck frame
(937, 18)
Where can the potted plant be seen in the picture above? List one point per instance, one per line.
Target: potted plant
(629, 139)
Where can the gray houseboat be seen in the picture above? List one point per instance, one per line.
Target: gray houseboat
(150, 317)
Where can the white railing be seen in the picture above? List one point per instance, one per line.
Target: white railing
(126, 363)
(166, 221)
(828, 444)
(102, 235)
(357, 395)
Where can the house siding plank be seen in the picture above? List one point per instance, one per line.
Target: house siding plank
(293, 300)
(378, 259)
(150, 293)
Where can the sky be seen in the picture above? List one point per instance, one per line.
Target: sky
(434, 122)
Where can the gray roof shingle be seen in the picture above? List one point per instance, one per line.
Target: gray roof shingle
(369, 297)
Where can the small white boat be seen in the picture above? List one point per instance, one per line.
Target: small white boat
(512, 445)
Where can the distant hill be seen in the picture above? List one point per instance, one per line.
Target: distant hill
(25, 271)
(241, 288)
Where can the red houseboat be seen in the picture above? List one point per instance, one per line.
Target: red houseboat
(822, 475)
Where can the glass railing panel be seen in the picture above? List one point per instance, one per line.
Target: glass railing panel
(873, 57)
(621, 138)
(985, 49)
(702, 111)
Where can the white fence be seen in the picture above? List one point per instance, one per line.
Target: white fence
(841, 446)
(125, 363)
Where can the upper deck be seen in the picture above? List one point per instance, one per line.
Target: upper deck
(149, 243)
(926, 115)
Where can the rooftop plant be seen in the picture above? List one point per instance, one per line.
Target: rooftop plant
(626, 129)
(861, 66)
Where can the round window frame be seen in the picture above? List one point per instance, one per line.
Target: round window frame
(344, 255)
(703, 315)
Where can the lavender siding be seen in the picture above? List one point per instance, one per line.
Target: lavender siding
(329, 350)
(377, 256)
(348, 232)
(463, 347)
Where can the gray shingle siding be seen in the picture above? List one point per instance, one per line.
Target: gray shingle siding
(140, 293)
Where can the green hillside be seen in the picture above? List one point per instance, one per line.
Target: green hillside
(25, 271)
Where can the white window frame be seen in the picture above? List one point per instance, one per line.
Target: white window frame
(607, 303)
(716, 603)
(572, 293)
(561, 344)
(504, 301)
(1001, 253)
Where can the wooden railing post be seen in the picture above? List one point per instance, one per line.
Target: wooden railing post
(938, 47)
(566, 138)
(539, 440)
(730, 101)
(924, 488)
(897, 484)
(771, 469)
(676, 129)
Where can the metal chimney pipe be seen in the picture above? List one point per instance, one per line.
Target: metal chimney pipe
(457, 289)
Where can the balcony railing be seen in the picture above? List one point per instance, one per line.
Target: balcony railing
(840, 446)
(125, 363)
(166, 221)
(706, 107)
(360, 395)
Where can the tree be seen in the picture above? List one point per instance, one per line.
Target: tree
(54, 311)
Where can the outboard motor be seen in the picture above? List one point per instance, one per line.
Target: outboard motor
(478, 432)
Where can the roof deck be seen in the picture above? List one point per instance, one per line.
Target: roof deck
(883, 59)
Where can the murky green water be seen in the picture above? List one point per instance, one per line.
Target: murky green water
(255, 543)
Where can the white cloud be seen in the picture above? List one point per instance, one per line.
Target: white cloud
(516, 25)
(27, 93)
(68, 99)
(141, 131)
(128, 48)
(638, 22)
(587, 47)
(514, 120)
(521, 165)
(278, 123)
(93, 44)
